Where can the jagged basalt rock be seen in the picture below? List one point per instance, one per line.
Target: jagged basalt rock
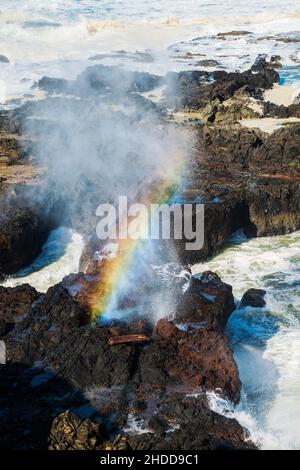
(85, 359)
(25, 206)
(14, 304)
(194, 358)
(69, 432)
(30, 399)
(101, 79)
(22, 234)
(208, 300)
(173, 428)
(254, 298)
(197, 89)
(247, 180)
(52, 319)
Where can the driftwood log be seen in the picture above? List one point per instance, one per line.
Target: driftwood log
(125, 339)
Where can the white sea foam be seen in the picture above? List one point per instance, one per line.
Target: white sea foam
(59, 257)
(2, 352)
(57, 38)
(265, 341)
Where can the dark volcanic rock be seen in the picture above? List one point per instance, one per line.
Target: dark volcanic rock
(106, 79)
(208, 300)
(197, 89)
(55, 316)
(57, 331)
(247, 180)
(4, 59)
(233, 33)
(25, 226)
(207, 63)
(126, 379)
(254, 298)
(194, 358)
(274, 110)
(86, 359)
(41, 410)
(102, 79)
(173, 428)
(30, 399)
(14, 303)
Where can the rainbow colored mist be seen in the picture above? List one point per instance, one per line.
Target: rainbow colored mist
(112, 271)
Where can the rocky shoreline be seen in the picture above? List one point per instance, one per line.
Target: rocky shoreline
(137, 384)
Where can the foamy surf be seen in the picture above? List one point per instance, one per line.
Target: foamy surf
(57, 39)
(59, 257)
(265, 341)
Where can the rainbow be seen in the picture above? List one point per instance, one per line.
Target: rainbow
(112, 270)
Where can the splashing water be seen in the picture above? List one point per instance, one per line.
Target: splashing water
(58, 37)
(59, 257)
(114, 270)
(265, 341)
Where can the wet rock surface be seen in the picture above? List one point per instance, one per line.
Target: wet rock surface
(207, 300)
(14, 304)
(28, 409)
(254, 298)
(4, 59)
(124, 383)
(249, 180)
(23, 231)
(197, 89)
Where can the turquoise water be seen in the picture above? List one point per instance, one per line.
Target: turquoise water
(290, 75)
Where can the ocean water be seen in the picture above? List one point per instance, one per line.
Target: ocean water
(57, 38)
(59, 257)
(265, 340)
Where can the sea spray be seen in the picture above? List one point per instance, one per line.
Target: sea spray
(97, 144)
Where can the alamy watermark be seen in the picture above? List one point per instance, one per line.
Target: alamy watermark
(152, 222)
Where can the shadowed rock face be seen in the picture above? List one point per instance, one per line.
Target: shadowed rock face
(23, 232)
(14, 304)
(137, 378)
(247, 180)
(214, 432)
(28, 409)
(44, 411)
